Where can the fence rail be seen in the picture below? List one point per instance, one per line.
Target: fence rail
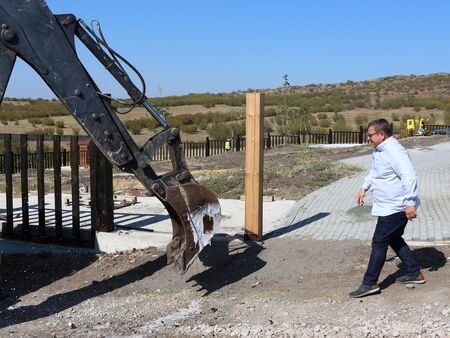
(432, 127)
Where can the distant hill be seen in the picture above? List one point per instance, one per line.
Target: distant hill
(367, 93)
(436, 84)
(341, 106)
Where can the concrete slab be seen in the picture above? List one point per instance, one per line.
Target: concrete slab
(138, 226)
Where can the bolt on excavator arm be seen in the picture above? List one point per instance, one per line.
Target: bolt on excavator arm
(46, 42)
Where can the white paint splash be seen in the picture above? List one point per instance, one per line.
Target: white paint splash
(172, 318)
(196, 219)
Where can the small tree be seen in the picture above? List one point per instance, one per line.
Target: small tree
(284, 110)
(304, 117)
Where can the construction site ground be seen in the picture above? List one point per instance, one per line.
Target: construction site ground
(295, 282)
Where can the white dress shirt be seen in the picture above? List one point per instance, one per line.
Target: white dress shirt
(392, 179)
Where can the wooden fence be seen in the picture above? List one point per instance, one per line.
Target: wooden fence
(45, 228)
(432, 127)
(215, 147)
(191, 149)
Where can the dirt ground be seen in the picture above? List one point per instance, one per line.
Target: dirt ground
(276, 287)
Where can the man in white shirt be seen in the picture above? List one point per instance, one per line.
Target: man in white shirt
(393, 184)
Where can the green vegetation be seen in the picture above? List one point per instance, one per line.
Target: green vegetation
(28, 108)
(224, 184)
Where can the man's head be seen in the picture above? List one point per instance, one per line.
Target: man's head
(378, 131)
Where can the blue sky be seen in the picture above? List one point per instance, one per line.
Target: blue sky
(198, 46)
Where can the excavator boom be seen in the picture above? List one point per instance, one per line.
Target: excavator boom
(46, 42)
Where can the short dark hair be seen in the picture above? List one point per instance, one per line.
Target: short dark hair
(382, 125)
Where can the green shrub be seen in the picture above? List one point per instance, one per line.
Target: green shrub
(361, 119)
(190, 129)
(322, 116)
(33, 121)
(219, 131)
(237, 128)
(75, 131)
(268, 127)
(395, 117)
(269, 112)
(338, 117)
(43, 131)
(203, 125)
(59, 131)
(324, 123)
(48, 122)
(135, 129)
(59, 124)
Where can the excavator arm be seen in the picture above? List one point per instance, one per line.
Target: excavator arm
(46, 42)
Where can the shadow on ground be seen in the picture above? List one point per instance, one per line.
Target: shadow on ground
(45, 273)
(295, 226)
(428, 258)
(228, 262)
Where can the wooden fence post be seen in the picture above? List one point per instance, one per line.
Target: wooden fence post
(360, 135)
(238, 143)
(269, 143)
(9, 184)
(75, 182)
(40, 185)
(254, 155)
(24, 184)
(330, 136)
(102, 199)
(207, 145)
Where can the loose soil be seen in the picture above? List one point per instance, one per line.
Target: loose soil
(279, 287)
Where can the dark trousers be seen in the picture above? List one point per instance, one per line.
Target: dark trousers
(388, 232)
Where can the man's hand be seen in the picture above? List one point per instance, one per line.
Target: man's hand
(360, 197)
(410, 212)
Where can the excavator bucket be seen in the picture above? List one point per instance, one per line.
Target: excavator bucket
(195, 213)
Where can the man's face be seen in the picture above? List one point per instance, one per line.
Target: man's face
(375, 138)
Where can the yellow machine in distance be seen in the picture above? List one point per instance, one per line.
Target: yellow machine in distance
(416, 126)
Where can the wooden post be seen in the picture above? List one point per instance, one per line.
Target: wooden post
(254, 155)
(40, 185)
(207, 145)
(24, 184)
(238, 143)
(9, 185)
(360, 140)
(57, 189)
(75, 181)
(330, 136)
(102, 195)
